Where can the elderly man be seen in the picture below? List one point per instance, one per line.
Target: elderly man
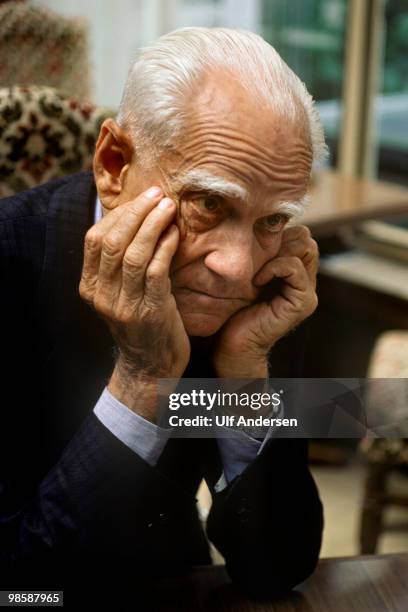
(196, 181)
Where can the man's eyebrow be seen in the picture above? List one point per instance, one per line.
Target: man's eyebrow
(202, 180)
(292, 209)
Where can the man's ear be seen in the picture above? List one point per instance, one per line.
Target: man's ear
(113, 155)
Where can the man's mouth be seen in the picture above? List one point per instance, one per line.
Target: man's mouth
(215, 296)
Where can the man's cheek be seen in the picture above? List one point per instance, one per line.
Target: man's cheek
(187, 251)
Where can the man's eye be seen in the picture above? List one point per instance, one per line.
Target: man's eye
(201, 212)
(207, 204)
(274, 223)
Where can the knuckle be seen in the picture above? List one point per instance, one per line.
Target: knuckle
(305, 232)
(296, 262)
(133, 258)
(87, 284)
(93, 239)
(111, 245)
(154, 273)
(312, 251)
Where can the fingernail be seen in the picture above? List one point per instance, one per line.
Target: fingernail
(165, 203)
(153, 192)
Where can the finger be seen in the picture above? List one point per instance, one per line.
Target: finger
(296, 232)
(92, 253)
(296, 242)
(307, 251)
(141, 249)
(291, 269)
(157, 277)
(117, 239)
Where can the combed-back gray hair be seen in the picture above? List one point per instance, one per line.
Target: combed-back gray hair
(164, 76)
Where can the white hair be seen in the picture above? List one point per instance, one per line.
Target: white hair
(164, 76)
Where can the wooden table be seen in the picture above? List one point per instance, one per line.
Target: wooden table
(361, 584)
(337, 200)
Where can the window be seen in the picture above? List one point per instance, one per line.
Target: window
(392, 102)
(310, 38)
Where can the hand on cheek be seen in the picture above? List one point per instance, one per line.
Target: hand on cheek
(245, 340)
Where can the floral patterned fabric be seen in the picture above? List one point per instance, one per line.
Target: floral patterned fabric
(44, 135)
(40, 47)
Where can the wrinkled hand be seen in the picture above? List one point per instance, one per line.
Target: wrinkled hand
(125, 278)
(246, 338)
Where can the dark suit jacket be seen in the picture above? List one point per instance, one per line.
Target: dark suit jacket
(74, 501)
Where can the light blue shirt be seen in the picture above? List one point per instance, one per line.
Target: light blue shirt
(148, 440)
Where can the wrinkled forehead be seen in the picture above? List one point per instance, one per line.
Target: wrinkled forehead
(220, 97)
(234, 163)
(248, 147)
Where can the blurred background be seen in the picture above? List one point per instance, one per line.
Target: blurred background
(62, 70)
(315, 37)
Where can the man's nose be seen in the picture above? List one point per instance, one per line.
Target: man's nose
(235, 259)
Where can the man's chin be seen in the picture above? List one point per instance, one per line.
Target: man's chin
(203, 325)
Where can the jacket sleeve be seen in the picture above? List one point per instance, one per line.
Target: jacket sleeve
(268, 522)
(101, 507)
